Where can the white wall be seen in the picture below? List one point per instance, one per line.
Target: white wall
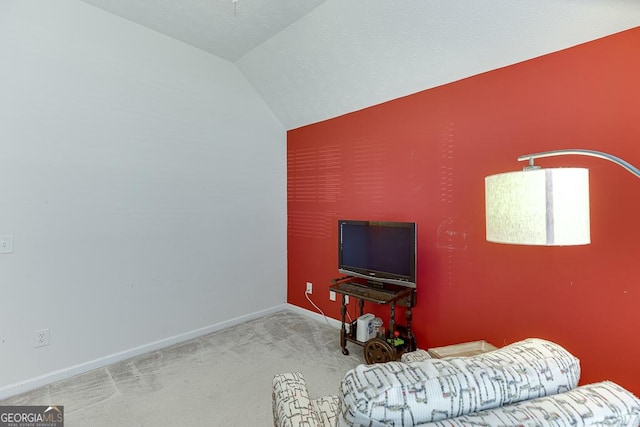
(348, 55)
(144, 182)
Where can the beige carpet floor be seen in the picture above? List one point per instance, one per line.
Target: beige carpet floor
(222, 379)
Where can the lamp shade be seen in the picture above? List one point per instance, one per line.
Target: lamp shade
(538, 207)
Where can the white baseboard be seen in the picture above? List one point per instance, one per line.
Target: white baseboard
(314, 315)
(33, 383)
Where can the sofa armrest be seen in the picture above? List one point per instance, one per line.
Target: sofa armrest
(291, 404)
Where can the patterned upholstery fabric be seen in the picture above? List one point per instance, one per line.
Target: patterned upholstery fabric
(327, 410)
(479, 381)
(599, 404)
(291, 403)
(399, 394)
(415, 356)
(290, 397)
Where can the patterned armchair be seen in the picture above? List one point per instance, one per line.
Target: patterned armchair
(293, 407)
(529, 383)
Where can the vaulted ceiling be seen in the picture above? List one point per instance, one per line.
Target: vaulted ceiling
(315, 59)
(226, 28)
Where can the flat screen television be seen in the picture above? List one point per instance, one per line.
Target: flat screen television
(381, 252)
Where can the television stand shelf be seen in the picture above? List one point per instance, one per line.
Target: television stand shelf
(375, 349)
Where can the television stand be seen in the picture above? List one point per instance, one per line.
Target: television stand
(375, 349)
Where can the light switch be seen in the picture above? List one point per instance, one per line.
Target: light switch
(6, 244)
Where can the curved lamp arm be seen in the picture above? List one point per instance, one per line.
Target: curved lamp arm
(628, 166)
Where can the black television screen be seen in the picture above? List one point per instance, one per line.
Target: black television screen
(383, 252)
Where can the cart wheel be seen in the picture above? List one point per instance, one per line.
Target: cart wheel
(377, 350)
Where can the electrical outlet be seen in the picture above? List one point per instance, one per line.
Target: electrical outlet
(332, 295)
(346, 299)
(41, 338)
(309, 288)
(6, 244)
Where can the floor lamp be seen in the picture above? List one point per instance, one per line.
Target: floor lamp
(537, 206)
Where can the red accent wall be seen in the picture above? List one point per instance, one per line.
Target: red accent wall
(424, 157)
